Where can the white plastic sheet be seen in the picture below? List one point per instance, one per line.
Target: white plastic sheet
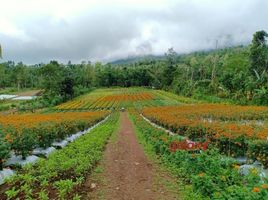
(246, 169)
(157, 126)
(17, 160)
(60, 144)
(25, 98)
(242, 160)
(4, 174)
(43, 152)
(7, 96)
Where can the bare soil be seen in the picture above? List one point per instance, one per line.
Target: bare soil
(127, 173)
(29, 93)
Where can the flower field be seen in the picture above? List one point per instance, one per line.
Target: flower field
(223, 131)
(235, 130)
(22, 133)
(117, 98)
(207, 175)
(62, 174)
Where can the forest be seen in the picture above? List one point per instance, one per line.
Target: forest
(237, 75)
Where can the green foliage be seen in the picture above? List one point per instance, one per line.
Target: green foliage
(211, 175)
(64, 187)
(259, 150)
(43, 195)
(23, 143)
(67, 91)
(11, 193)
(4, 149)
(258, 53)
(65, 168)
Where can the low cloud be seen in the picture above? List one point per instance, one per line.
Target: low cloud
(108, 30)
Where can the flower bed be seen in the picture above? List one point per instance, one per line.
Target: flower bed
(223, 129)
(207, 175)
(23, 133)
(63, 173)
(117, 98)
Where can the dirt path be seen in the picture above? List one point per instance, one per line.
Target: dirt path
(127, 172)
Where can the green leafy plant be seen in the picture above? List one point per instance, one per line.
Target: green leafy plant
(67, 167)
(43, 195)
(64, 187)
(23, 142)
(11, 193)
(4, 150)
(211, 175)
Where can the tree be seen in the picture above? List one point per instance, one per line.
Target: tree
(67, 90)
(2, 75)
(52, 77)
(258, 54)
(0, 51)
(170, 69)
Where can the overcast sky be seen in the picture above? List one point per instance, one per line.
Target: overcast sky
(35, 31)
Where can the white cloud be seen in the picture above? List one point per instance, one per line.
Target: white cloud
(40, 30)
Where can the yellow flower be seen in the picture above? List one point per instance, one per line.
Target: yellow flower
(264, 186)
(201, 174)
(254, 171)
(237, 167)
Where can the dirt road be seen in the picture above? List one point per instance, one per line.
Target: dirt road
(127, 172)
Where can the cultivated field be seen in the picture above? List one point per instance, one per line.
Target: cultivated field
(234, 130)
(231, 132)
(115, 99)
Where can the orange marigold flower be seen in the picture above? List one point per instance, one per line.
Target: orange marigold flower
(8, 137)
(256, 189)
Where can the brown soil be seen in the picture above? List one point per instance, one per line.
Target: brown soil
(29, 93)
(128, 174)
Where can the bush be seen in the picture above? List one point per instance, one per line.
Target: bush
(24, 141)
(259, 150)
(4, 149)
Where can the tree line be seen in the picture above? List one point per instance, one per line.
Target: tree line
(238, 73)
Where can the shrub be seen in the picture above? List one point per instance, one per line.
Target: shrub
(4, 148)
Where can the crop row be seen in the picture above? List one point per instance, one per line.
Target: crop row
(208, 175)
(235, 130)
(109, 101)
(21, 133)
(63, 173)
(113, 101)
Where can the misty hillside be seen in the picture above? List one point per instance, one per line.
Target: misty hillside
(133, 59)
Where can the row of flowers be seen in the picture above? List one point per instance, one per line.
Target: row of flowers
(22, 133)
(107, 101)
(208, 174)
(222, 125)
(63, 174)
